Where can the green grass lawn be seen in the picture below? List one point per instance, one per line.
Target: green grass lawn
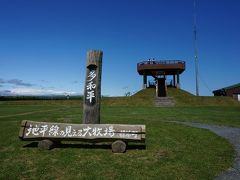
(172, 151)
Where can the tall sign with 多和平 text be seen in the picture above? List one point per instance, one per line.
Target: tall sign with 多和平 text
(92, 89)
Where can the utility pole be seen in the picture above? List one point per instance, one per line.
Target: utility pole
(195, 46)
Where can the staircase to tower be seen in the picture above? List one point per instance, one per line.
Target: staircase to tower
(164, 102)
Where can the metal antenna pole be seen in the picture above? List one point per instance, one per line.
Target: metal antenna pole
(195, 47)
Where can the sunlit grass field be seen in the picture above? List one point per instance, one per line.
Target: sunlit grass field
(172, 151)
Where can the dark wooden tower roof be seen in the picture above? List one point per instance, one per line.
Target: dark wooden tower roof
(160, 67)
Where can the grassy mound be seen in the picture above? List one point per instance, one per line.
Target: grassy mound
(183, 98)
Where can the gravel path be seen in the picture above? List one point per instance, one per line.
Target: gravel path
(232, 135)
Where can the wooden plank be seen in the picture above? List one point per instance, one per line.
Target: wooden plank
(22, 128)
(92, 89)
(31, 130)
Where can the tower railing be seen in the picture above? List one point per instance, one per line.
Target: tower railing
(161, 62)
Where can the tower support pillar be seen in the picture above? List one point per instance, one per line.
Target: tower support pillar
(178, 80)
(174, 80)
(144, 81)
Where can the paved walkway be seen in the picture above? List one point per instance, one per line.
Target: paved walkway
(232, 135)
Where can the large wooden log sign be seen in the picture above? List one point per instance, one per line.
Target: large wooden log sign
(92, 90)
(49, 133)
(31, 130)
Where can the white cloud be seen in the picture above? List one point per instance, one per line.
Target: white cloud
(40, 91)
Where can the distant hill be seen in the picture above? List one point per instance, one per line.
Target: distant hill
(47, 97)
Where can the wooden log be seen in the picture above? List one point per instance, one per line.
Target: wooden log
(119, 146)
(46, 144)
(31, 130)
(92, 90)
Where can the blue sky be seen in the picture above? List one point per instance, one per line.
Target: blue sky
(43, 43)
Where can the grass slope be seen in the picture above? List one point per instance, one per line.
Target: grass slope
(184, 98)
(141, 98)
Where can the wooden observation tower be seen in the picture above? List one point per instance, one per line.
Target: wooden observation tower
(159, 69)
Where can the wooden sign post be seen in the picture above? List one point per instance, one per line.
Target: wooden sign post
(49, 133)
(92, 89)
